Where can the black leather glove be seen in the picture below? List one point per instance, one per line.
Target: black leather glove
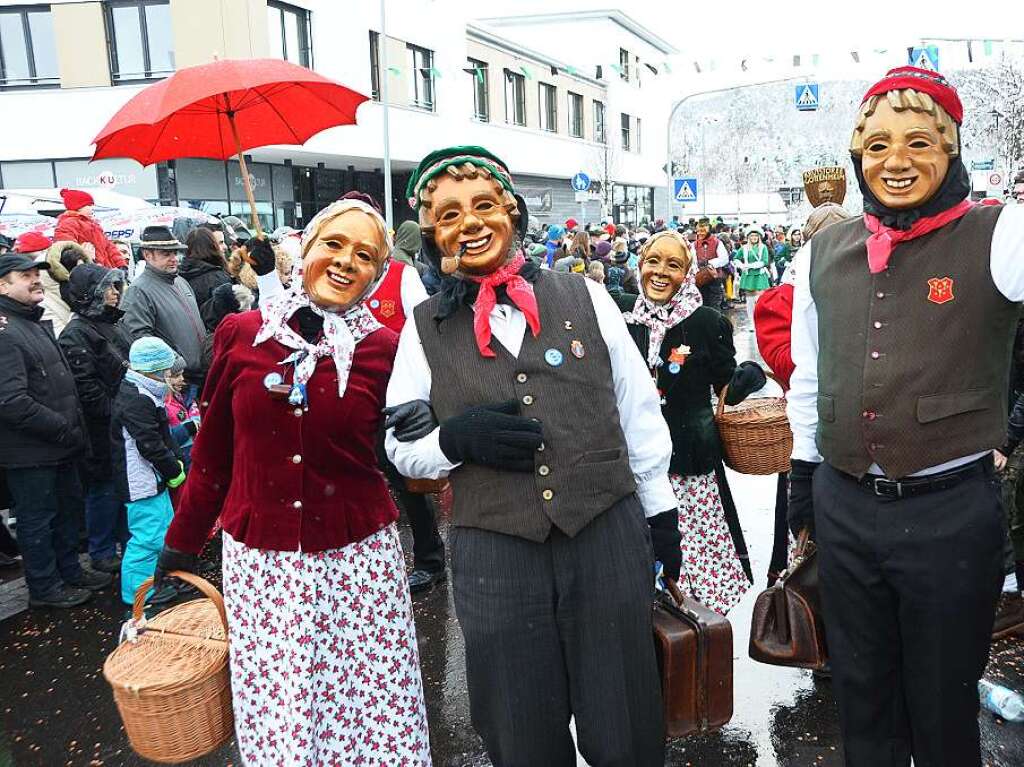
(411, 420)
(73, 437)
(666, 540)
(801, 501)
(493, 435)
(171, 560)
(746, 379)
(261, 255)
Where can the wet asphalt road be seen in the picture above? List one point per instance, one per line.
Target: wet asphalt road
(56, 708)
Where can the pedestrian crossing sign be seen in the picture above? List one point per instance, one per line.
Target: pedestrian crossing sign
(926, 57)
(807, 97)
(685, 189)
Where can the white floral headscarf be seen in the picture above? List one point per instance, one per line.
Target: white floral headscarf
(342, 330)
(660, 318)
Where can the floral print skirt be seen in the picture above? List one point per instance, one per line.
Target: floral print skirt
(712, 571)
(324, 664)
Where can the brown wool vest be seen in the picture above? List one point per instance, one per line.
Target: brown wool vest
(583, 468)
(913, 362)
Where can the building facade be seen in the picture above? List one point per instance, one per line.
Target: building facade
(550, 112)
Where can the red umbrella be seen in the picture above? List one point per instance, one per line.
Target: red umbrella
(222, 109)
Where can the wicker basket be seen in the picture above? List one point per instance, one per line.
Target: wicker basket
(171, 684)
(756, 438)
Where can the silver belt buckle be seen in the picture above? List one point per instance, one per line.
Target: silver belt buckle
(887, 488)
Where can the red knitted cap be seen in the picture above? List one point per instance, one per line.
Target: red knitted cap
(925, 81)
(32, 242)
(76, 199)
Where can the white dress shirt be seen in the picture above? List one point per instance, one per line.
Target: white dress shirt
(721, 259)
(647, 435)
(1006, 262)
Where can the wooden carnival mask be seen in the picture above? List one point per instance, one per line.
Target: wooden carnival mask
(344, 259)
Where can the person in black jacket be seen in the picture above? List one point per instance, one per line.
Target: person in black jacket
(96, 348)
(204, 267)
(42, 435)
(147, 461)
(689, 351)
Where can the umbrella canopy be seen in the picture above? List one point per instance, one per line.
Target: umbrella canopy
(190, 114)
(224, 108)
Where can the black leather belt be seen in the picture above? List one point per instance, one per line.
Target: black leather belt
(913, 486)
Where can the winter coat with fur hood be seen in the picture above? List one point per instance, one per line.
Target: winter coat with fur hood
(56, 311)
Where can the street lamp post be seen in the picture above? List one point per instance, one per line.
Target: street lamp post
(385, 104)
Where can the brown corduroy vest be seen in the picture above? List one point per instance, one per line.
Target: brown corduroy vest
(912, 362)
(583, 468)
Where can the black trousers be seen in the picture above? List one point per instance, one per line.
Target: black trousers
(909, 590)
(560, 629)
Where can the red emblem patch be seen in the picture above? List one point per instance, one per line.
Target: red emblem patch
(387, 308)
(940, 290)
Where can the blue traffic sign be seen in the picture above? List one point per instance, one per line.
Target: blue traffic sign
(580, 182)
(926, 57)
(807, 97)
(684, 189)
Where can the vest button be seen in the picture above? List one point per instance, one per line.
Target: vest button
(521, 378)
(541, 448)
(547, 495)
(543, 470)
(296, 458)
(298, 411)
(297, 505)
(528, 399)
(878, 325)
(875, 355)
(879, 294)
(869, 415)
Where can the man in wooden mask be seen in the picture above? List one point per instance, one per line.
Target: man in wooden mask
(903, 322)
(552, 436)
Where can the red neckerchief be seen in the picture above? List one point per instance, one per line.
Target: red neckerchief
(883, 239)
(519, 291)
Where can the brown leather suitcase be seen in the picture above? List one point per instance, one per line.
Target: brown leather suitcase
(694, 649)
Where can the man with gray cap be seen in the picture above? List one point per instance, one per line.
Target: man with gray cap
(160, 303)
(42, 435)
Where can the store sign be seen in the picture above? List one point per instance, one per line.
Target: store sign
(537, 200)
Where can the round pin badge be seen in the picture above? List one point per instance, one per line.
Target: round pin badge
(375, 304)
(674, 368)
(553, 357)
(272, 379)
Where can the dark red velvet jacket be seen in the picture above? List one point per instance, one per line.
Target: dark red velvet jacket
(280, 477)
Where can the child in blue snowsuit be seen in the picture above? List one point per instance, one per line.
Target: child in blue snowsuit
(146, 458)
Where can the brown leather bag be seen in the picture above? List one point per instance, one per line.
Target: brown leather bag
(787, 628)
(705, 274)
(426, 486)
(694, 649)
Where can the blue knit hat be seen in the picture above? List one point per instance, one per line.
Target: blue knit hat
(151, 355)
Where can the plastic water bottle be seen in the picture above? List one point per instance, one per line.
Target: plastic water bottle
(1001, 701)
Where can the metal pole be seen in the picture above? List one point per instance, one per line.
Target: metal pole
(703, 170)
(389, 213)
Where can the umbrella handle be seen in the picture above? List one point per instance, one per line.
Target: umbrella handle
(245, 177)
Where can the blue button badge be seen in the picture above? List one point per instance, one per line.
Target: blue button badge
(674, 368)
(553, 357)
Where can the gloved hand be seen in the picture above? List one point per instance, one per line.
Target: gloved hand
(801, 501)
(747, 378)
(261, 255)
(666, 540)
(177, 481)
(171, 560)
(493, 435)
(411, 420)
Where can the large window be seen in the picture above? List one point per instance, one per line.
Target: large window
(421, 77)
(575, 115)
(599, 129)
(515, 98)
(481, 105)
(375, 65)
(288, 28)
(140, 39)
(28, 55)
(624, 64)
(625, 132)
(548, 108)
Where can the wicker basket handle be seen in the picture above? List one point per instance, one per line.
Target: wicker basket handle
(725, 391)
(208, 590)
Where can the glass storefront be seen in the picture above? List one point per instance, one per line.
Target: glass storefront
(632, 204)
